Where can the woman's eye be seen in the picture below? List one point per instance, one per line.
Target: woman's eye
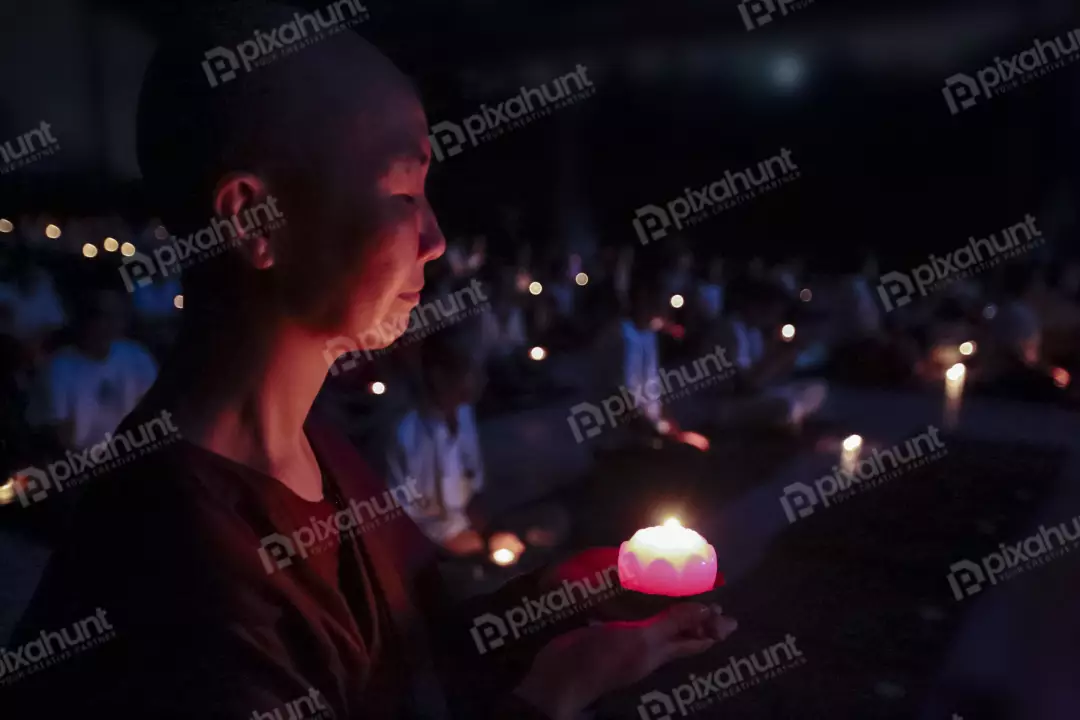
(411, 199)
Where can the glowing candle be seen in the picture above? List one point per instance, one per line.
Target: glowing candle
(954, 391)
(667, 560)
(788, 332)
(849, 459)
(7, 491)
(505, 548)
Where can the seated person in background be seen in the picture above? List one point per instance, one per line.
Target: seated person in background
(628, 357)
(33, 308)
(502, 343)
(436, 445)
(710, 290)
(765, 360)
(86, 389)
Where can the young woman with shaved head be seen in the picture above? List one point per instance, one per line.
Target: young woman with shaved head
(230, 591)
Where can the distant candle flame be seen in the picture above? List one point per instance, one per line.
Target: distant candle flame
(504, 556)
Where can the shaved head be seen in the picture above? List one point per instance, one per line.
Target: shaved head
(332, 131)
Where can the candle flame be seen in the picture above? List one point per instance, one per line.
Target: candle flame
(672, 522)
(852, 442)
(504, 556)
(956, 372)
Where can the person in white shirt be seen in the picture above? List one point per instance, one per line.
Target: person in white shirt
(765, 361)
(436, 443)
(86, 389)
(629, 355)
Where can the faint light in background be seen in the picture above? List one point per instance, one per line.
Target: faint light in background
(788, 71)
(1061, 377)
(538, 353)
(852, 442)
(178, 302)
(956, 372)
(127, 249)
(161, 233)
(504, 557)
(378, 388)
(664, 427)
(52, 231)
(990, 311)
(805, 295)
(581, 279)
(7, 491)
(110, 244)
(968, 348)
(788, 331)
(535, 288)
(6, 226)
(677, 301)
(89, 250)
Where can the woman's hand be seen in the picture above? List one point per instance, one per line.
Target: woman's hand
(577, 668)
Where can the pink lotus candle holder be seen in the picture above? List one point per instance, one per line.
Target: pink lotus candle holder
(667, 560)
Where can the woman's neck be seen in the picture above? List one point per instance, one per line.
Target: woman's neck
(244, 390)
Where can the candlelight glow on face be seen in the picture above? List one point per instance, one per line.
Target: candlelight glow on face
(667, 560)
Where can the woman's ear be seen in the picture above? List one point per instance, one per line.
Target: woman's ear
(236, 200)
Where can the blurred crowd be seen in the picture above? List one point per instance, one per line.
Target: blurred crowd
(505, 326)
